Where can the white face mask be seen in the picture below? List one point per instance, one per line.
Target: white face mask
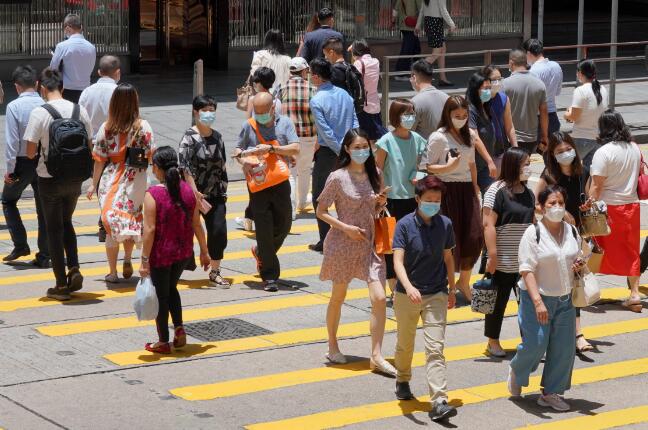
(566, 158)
(525, 174)
(459, 123)
(555, 213)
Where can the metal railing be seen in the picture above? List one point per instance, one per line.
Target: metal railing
(488, 55)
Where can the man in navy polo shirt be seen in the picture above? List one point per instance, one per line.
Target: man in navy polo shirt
(315, 40)
(424, 266)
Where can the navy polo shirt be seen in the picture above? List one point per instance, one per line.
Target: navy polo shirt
(424, 246)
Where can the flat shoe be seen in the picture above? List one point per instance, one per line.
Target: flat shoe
(382, 366)
(336, 358)
(111, 279)
(494, 353)
(162, 348)
(127, 270)
(633, 305)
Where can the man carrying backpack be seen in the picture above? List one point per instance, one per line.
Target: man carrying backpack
(60, 133)
(345, 75)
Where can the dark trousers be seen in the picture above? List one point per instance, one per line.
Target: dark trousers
(325, 160)
(165, 280)
(216, 227)
(58, 201)
(410, 45)
(25, 174)
(644, 257)
(397, 208)
(272, 212)
(505, 282)
(72, 95)
(529, 147)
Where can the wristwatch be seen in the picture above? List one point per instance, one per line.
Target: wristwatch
(145, 259)
(272, 149)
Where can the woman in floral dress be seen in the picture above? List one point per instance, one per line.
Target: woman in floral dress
(121, 186)
(355, 189)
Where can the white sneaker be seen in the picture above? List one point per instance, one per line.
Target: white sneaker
(245, 223)
(512, 385)
(553, 401)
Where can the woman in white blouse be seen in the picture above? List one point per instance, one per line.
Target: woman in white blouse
(273, 55)
(549, 255)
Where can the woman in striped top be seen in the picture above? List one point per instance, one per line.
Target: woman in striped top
(509, 208)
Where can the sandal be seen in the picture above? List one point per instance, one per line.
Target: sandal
(112, 278)
(584, 348)
(633, 304)
(180, 338)
(158, 347)
(127, 269)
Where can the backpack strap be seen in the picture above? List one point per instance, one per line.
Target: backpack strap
(76, 112)
(52, 111)
(537, 229)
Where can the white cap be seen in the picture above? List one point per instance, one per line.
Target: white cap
(298, 64)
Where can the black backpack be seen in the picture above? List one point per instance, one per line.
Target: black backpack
(355, 84)
(68, 155)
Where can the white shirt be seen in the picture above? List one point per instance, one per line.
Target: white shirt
(75, 58)
(549, 261)
(439, 145)
(587, 125)
(280, 65)
(96, 100)
(619, 163)
(39, 125)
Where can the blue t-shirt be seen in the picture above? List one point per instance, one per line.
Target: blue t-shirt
(401, 163)
(283, 131)
(424, 246)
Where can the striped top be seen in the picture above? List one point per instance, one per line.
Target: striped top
(515, 212)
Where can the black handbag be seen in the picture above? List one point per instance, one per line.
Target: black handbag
(135, 155)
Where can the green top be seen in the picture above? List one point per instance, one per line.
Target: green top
(401, 163)
(406, 8)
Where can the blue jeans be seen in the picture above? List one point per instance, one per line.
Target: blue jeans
(556, 341)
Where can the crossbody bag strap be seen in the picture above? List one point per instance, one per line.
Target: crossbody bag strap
(253, 123)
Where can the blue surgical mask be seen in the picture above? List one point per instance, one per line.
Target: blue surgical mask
(263, 118)
(407, 121)
(360, 155)
(429, 209)
(207, 117)
(485, 95)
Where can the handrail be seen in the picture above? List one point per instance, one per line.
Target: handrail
(487, 59)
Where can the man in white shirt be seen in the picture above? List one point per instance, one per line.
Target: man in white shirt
(75, 58)
(96, 98)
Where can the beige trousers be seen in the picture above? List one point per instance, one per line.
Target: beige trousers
(433, 311)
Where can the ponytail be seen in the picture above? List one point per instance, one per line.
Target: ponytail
(587, 68)
(166, 159)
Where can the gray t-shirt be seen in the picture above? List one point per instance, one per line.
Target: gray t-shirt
(428, 105)
(526, 93)
(283, 131)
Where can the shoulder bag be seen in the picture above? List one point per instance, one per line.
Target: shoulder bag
(594, 222)
(586, 290)
(243, 95)
(135, 154)
(642, 183)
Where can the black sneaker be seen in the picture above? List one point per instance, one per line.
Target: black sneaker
(16, 254)
(403, 391)
(441, 410)
(59, 293)
(270, 286)
(75, 279)
(317, 247)
(42, 262)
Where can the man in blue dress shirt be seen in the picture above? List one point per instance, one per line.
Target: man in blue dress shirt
(334, 115)
(21, 171)
(75, 58)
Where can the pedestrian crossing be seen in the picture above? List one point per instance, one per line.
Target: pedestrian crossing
(215, 389)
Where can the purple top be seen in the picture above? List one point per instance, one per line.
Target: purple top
(173, 226)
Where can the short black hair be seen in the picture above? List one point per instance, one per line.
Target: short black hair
(612, 128)
(321, 68)
(360, 47)
(51, 79)
(324, 14)
(25, 76)
(518, 57)
(533, 46)
(335, 44)
(264, 76)
(424, 69)
(202, 101)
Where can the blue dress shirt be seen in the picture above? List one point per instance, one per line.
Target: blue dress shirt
(78, 57)
(16, 121)
(551, 74)
(334, 115)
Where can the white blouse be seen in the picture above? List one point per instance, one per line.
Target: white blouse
(549, 261)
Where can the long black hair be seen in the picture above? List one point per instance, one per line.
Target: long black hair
(587, 68)
(512, 166)
(553, 172)
(274, 42)
(472, 93)
(166, 159)
(612, 128)
(344, 159)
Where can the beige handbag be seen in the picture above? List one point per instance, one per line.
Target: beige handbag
(594, 222)
(586, 289)
(243, 95)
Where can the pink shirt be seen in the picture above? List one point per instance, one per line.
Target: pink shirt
(371, 75)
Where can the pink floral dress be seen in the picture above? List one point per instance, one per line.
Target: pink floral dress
(355, 203)
(121, 188)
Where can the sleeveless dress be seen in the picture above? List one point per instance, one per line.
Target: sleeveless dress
(344, 258)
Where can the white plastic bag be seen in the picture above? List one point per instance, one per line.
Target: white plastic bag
(146, 303)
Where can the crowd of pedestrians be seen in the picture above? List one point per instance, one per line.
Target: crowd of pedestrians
(452, 170)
